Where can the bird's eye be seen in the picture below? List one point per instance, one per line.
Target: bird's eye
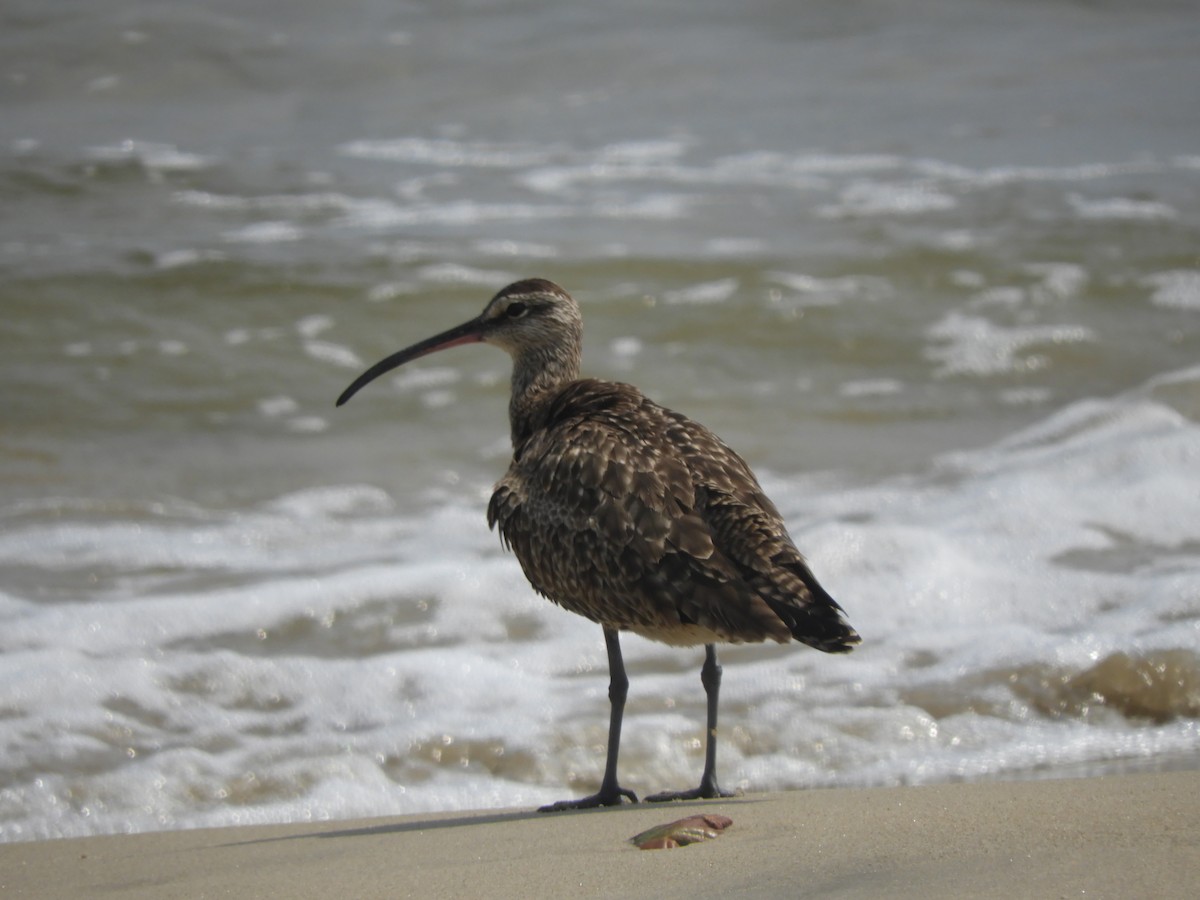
(516, 310)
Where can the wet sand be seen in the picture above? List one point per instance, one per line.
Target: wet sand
(1117, 836)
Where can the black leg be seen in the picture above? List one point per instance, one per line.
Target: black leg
(710, 677)
(610, 793)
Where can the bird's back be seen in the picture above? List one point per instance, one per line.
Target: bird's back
(641, 519)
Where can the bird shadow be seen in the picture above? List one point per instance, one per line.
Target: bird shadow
(399, 827)
(484, 819)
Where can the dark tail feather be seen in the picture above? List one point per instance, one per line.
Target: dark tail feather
(817, 620)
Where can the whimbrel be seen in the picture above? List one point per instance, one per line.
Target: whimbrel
(633, 515)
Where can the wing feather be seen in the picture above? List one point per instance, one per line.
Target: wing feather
(639, 518)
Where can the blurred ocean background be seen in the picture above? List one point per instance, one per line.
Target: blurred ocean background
(933, 268)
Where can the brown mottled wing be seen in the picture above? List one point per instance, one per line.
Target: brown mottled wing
(750, 533)
(639, 518)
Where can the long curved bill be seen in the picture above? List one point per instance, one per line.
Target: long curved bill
(467, 333)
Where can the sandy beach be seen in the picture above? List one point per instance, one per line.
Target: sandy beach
(1120, 836)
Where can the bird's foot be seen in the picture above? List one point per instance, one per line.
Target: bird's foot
(708, 790)
(613, 796)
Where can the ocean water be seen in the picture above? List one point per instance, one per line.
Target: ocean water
(934, 272)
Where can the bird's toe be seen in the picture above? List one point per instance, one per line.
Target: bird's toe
(703, 792)
(614, 796)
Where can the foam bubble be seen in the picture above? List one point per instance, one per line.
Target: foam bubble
(336, 354)
(1177, 289)
(454, 273)
(1060, 281)
(445, 152)
(815, 291)
(264, 233)
(874, 198)
(626, 347)
(154, 156)
(273, 407)
(1121, 208)
(704, 293)
(314, 325)
(871, 387)
(426, 376)
(973, 345)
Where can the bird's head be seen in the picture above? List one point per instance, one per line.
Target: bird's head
(535, 321)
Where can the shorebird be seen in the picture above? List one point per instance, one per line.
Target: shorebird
(632, 515)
